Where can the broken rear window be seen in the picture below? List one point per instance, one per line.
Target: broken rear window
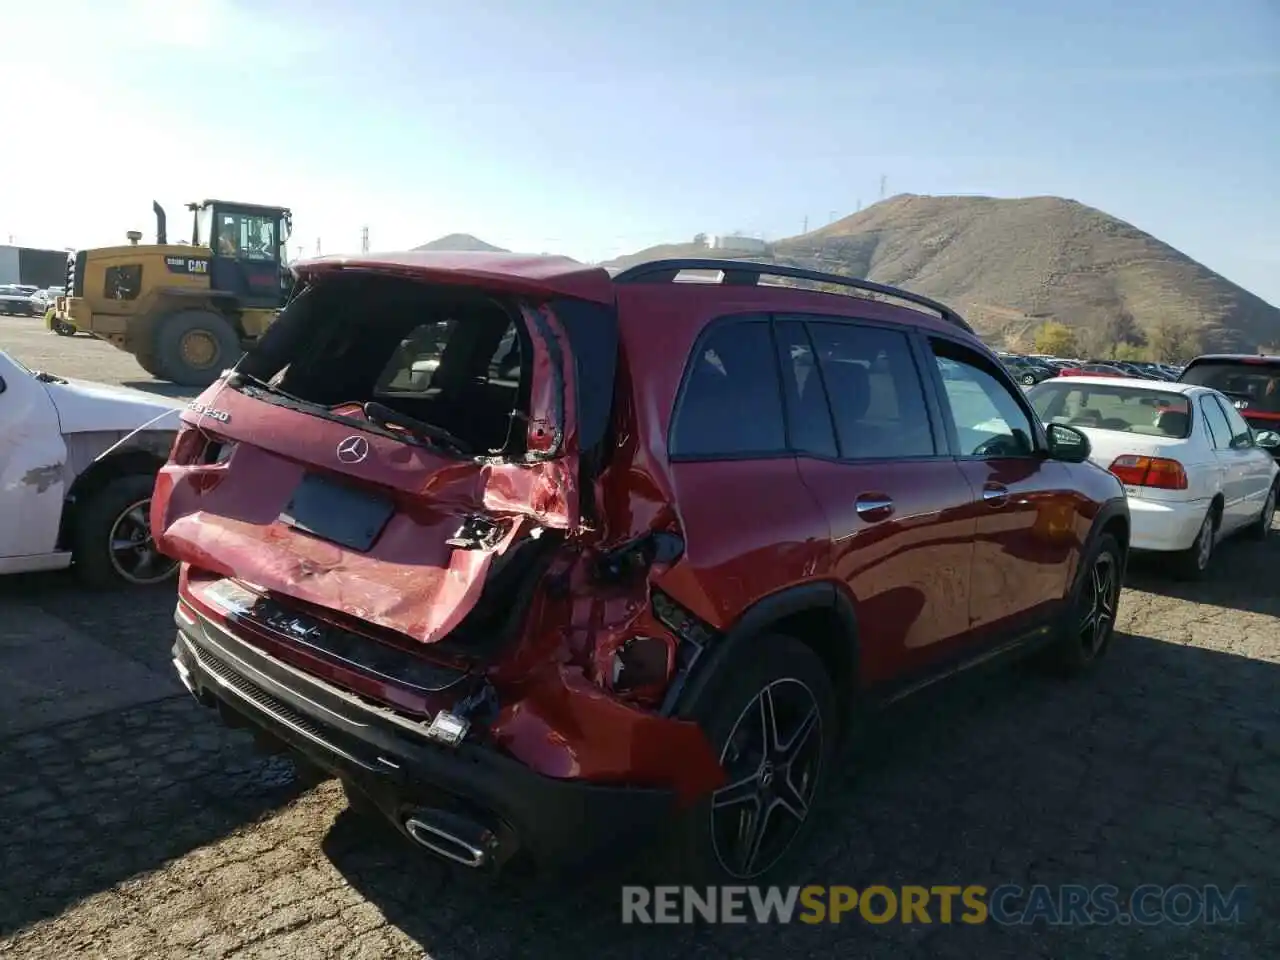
(449, 357)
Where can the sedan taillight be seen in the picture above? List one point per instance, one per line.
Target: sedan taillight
(1158, 472)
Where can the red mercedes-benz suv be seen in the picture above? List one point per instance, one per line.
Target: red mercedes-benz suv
(542, 561)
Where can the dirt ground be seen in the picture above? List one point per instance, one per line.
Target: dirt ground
(149, 831)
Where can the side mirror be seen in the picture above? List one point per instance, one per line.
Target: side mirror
(1067, 443)
(3, 386)
(1267, 439)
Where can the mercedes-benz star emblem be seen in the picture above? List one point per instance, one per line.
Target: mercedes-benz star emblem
(353, 450)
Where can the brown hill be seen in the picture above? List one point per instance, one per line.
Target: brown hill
(460, 242)
(1009, 265)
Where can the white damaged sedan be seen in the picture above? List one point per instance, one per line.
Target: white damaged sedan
(78, 462)
(1193, 470)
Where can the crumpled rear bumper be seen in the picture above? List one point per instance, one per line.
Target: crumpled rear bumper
(556, 822)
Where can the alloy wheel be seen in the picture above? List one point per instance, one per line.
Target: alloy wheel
(132, 549)
(1102, 594)
(773, 759)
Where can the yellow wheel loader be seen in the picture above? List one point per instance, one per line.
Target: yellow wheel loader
(186, 312)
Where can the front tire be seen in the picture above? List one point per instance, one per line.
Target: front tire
(1028, 380)
(112, 541)
(193, 347)
(1086, 637)
(147, 362)
(63, 329)
(772, 719)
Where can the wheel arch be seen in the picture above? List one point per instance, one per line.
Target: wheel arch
(1218, 505)
(820, 615)
(1112, 518)
(133, 461)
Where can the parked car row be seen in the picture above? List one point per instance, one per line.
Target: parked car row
(1029, 370)
(26, 300)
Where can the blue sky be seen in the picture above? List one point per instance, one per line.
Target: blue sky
(594, 129)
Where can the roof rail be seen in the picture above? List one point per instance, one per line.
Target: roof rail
(749, 272)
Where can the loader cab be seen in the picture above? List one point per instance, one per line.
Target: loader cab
(248, 244)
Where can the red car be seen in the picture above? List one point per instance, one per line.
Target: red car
(1251, 382)
(1094, 370)
(542, 562)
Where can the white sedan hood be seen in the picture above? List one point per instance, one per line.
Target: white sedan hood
(84, 407)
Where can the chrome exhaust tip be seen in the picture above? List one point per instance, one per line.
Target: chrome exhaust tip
(184, 675)
(442, 838)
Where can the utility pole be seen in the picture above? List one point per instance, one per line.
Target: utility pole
(831, 217)
(859, 210)
(364, 240)
(883, 180)
(317, 246)
(806, 224)
(299, 249)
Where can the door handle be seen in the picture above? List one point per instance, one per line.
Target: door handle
(874, 507)
(995, 495)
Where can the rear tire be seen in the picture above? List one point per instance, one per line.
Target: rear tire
(1086, 637)
(147, 361)
(1260, 529)
(1194, 563)
(64, 329)
(705, 843)
(193, 347)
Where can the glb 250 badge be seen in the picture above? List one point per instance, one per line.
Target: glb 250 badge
(199, 408)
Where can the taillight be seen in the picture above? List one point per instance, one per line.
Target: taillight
(196, 447)
(187, 446)
(1158, 472)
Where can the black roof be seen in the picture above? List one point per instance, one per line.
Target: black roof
(256, 207)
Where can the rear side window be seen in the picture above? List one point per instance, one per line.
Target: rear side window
(1216, 421)
(1241, 435)
(876, 395)
(808, 414)
(731, 405)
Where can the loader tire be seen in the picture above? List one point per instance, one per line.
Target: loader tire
(147, 361)
(193, 347)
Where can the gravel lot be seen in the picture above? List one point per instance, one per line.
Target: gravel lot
(150, 832)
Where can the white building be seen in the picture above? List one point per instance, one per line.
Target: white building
(738, 244)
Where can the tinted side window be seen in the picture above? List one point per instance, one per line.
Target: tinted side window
(1216, 421)
(731, 405)
(808, 416)
(989, 422)
(876, 395)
